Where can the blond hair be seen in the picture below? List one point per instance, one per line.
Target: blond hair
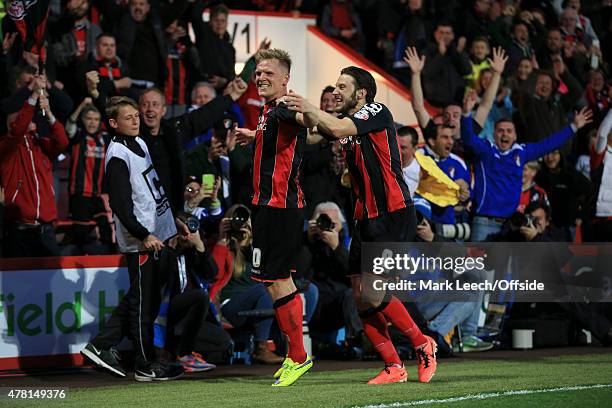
(117, 102)
(275, 53)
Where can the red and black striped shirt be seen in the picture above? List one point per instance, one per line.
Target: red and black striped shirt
(176, 80)
(374, 162)
(279, 146)
(87, 164)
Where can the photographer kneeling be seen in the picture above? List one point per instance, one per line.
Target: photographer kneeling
(234, 289)
(186, 302)
(443, 316)
(323, 260)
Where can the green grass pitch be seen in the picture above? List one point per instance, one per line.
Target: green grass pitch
(348, 388)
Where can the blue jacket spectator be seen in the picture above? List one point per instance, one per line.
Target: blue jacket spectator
(498, 168)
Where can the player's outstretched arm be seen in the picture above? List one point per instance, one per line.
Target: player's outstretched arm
(312, 116)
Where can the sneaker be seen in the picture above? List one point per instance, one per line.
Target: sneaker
(426, 359)
(392, 373)
(292, 372)
(284, 366)
(473, 343)
(193, 363)
(107, 359)
(158, 371)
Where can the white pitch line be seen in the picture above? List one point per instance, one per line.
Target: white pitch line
(471, 397)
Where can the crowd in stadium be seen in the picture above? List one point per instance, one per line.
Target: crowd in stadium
(512, 100)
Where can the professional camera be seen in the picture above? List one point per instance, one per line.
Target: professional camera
(460, 231)
(239, 218)
(193, 224)
(518, 220)
(325, 223)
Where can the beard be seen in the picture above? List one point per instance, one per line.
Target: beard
(349, 104)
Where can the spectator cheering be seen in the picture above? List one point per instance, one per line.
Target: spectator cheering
(27, 179)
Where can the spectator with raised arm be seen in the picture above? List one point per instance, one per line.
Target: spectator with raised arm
(544, 110)
(217, 54)
(445, 67)
(27, 178)
(498, 168)
(452, 112)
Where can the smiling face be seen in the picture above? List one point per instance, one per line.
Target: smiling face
(347, 100)
(552, 160)
(152, 109)
(505, 135)
(127, 122)
(91, 121)
(271, 78)
(452, 118)
(328, 102)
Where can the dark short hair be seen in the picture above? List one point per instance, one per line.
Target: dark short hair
(327, 89)
(409, 131)
(531, 207)
(219, 9)
(363, 80)
(106, 34)
(483, 39)
(502, 120)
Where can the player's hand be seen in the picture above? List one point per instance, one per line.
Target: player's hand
(1, 195)
(582, 118)
(499, 60)
(244, 136)
(297, 103)
(152, 243)
(415, 63)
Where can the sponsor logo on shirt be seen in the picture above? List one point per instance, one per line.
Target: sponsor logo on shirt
(367, 110)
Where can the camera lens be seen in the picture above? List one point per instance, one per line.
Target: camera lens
(239, 218)
(193, 224)
(324, 222)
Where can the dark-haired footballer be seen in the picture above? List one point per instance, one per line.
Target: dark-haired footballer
(384, 211)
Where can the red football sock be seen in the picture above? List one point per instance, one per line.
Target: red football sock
(289, 318)
(375, 328)
(397, 314)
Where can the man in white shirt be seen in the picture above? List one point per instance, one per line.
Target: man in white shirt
(408, 139)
